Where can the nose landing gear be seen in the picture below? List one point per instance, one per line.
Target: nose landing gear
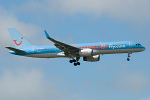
(128, 59)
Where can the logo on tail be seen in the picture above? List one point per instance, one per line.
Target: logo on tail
(17, 43)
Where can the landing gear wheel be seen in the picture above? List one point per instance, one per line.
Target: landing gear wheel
(75, 61)
(71, 61)
(78, 63)
(128, 59)
(75, 64)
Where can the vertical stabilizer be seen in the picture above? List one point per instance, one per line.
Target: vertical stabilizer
(19, 41)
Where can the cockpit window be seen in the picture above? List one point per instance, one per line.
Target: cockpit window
(138, 44)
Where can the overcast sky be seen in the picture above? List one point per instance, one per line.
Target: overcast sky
(75, 21)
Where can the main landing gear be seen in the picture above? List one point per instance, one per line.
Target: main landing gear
(75, 61)
(128, 59)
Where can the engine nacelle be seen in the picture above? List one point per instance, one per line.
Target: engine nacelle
(92, 58)
(86, 52)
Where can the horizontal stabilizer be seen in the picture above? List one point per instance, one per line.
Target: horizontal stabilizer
(16, 50)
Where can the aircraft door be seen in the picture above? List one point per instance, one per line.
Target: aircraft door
(130, 45)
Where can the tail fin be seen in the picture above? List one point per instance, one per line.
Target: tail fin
(19, 41)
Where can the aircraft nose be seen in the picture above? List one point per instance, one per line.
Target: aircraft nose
(143, 48)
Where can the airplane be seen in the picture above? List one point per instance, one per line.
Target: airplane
(90, 51)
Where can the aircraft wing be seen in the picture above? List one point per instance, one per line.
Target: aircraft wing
(68, 49)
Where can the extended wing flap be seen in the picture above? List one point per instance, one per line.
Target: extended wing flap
(16, 50)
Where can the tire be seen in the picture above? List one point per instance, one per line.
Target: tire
(70, 61)
(75, 64)
(78, 63)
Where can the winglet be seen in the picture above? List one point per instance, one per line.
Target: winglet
(47, 35)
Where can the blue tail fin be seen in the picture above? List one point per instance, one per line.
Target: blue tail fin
(19, 41)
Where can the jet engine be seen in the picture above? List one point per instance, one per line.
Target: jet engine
(86, 52)
(92, 58)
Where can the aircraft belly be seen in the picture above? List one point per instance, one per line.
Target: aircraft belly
(46, 55)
